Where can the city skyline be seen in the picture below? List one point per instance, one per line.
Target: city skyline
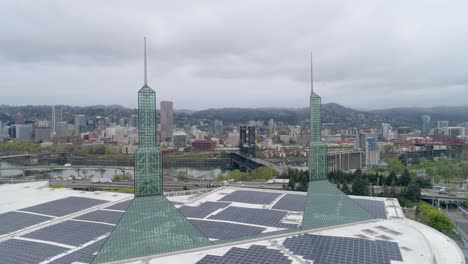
(406, 56)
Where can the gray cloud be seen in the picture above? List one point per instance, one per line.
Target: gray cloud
(219, 53)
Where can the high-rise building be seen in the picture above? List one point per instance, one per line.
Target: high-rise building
(166, 112)
(442, 127)
(386, 128)
(19, 120)
(133, 121)
(80, 120)
(56, 116)
(426, 125)
(218, 127)
(61, 129)
(24, 132)
(179, 139)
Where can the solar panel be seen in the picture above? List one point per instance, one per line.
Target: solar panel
(291, 202)
(110, 217)
(64, 206)
(203, 210)
(72, 233)
(84, 255)
(263, 217)
(374, 208)
(343, 250)
(251, 197)
(225, 231)
(120, 206)
(14, 221)
(15, 251)
(254, 254)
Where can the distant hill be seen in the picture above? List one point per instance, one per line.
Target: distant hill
(337, 116)
(412, 115)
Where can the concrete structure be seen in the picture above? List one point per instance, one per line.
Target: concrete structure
(57, 116)
(23, 132)
(386, 129)
(80, 120)
(19, 119)
(233, 139)
(62, 129)
(202, 146)
(179, 139)
(42, 134)
(167, 120)
(457, 132)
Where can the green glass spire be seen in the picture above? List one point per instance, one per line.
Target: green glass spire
(151, 225)
(326, 205)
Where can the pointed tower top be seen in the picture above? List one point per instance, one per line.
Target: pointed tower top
(146, 66)
(311, 75)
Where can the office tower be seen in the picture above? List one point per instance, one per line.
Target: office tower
(80, 120)
(24, 132)
(56, 117)
(362, 142)
(179, 139)
(133, 121)
(386, 128)
(61, 129)
(19, 120)
(326, 205)
(166, 112)
(442, 127)
(426, 125)
(218, 127)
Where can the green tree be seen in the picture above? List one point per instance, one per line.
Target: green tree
(360, 186)
(405, 178)
(395, 165)
(413, 192)
(392, 178)
(345, 188)
(434, 218)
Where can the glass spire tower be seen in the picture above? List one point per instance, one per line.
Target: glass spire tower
(148, 158)
(151, 225)
(326, 205)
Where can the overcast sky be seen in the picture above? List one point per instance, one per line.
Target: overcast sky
(214, 53)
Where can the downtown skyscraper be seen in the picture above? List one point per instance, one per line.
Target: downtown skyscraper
(167, 120)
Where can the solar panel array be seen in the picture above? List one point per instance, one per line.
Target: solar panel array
(15, 251)
(225, 231)
(203, 210)
(64, 206)
(110, 217)
(85, 255)
(374, 208)
(254, 254)
(74, 233)
(251, 197)
(120, 206)
(263, 217)
(14, 221)
(291, 202)
(343, 250)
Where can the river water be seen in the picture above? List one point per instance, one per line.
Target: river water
(205, 172)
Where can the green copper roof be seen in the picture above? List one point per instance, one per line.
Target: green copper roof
(151, 225)
(327, 206)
